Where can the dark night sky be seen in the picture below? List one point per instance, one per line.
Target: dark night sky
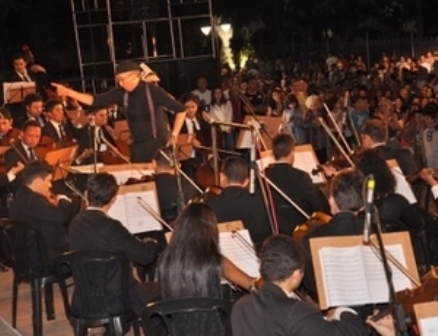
(47, 24)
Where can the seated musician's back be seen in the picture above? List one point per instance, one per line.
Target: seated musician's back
(346, 205)
(32, 205)
(237, 203)
(275, 309)
(295, 183)
(167, 184)
(94, 230)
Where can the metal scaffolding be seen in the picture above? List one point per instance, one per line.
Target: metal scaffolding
(109, 31)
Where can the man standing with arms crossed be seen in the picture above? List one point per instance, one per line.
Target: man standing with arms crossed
(142, 104)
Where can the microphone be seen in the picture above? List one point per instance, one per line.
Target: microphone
(370, 185)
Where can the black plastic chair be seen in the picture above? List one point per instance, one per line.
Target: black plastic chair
(196, 313)
(27, 254)
(101, 293)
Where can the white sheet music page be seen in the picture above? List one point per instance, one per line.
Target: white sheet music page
(265, 162)
(306, 161)
(429, 326)
(241, 254)
(343, 276)
(375, 275)
(118, 211)
(402, 186)
(139, 220)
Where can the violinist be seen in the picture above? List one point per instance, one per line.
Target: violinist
(236, 203)
(7, 132)
(94, 230)
(96, 129)
(346, 204)
(275, 309)
(199, 130)
(33, 105)
(56, 129)
(375, 135)
(34, 205)
(166, 184)
(295, 183)
(23, 150)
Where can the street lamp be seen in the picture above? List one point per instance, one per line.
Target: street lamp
(224, 31)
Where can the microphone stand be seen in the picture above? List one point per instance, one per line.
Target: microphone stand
(214, 148)
(93, 137)
(399, 315)
(251, 111)
(181, 201)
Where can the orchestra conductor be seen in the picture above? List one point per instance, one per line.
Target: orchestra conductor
(143, 108)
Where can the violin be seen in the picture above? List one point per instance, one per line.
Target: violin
(317, 219)
(428, 291)
(12, 135)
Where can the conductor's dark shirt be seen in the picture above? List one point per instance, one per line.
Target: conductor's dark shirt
(138, 114)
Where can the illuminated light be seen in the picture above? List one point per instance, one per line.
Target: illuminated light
(206, 30)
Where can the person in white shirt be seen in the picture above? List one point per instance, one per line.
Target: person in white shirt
(222, 110)
(428, 176)
(430, 136)
(202, 92)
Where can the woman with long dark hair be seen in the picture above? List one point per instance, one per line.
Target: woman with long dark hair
(191, 264)
(192, 267)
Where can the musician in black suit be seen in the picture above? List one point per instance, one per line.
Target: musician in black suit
(21, 73)
(236, 203)
(56, 128)
(346, 205)
(295, 183)
(199, 130)
(93, 229)
(24, 150)
(276, 310)
(31, 206)
(91, 136)
(375, 135)
(33, 105)
(167, 185)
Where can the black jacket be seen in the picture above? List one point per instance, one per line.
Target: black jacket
(271, 312)
(51, 220)
(236, 203)
(298, 186)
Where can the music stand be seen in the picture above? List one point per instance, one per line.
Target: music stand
(270, 125)
(61, 159)
(185, 146)
(14, 92)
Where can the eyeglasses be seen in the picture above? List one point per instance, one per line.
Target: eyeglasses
(121, 79)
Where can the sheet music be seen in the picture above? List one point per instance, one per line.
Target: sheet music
(246, 139)
(306, 162)
(265, 162)
(123, 175)
(429, 326)
(402, 186)
(87, 169)
(375, 273)
(238, 253)
(118, 211)
(343, 276)
(139, 220)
